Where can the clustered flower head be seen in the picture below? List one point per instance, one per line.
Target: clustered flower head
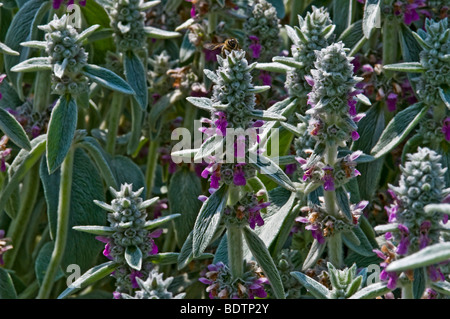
(434, 59)
(67, 57)
(4, 245)
(127, 216)
(333, 97)
(322, 225)
(286, 264)
(154, 287)
(421, 183)
(127, 22)
(247, 211)
(160, 82)
(262, 30)
(5, 152)
(221, 284)
(233, 106)
(316, 30)
(57, 3)
(33, 122)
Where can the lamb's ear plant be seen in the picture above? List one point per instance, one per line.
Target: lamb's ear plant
(416, 230)
(130, 246)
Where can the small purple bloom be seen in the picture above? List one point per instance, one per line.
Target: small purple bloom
(255, 46)
(135, 274)
(391, 101)
(355, 135)
(309, 79)
(221, 123)
(265, 78)
(239, 176)
(404, 243)
(446, 128)
(328, 179)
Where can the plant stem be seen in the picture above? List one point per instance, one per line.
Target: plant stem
(330, 196)
(335, 251)
(152, 159)
(235, 251)
(407, 290)
(113, 122)
(20, 223)
(65, 189)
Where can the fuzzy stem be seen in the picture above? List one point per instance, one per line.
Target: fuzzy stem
(20, 223)
(113, 122)
(330, 196)
(407, 291)
(335, 251)
(189, 117)
(152, 159)
(235, 251)
(62, 226)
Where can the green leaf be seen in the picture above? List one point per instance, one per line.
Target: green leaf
(211, 145)
(267, 167)
(133, 257)
(7, 50)
(413, 67)
(315, 288)
(314, 254)
(288, 61)
(372, 291)
(354, 286)
(158, 222)
(221, 254)
(90, 277)
(136, 77)
(20, 31)
(267, 115)
(87, 32)
(156, 33)
(419, 283)
(398, 128)
(273, 67)
(96, 230)
(364, 248)
(343, 203)
(107, 78)
(137, 115)
(352, 35)
(186, 256)
(184, 189)
(341, 12)
(279, 6)
(371, 17)
(442, 287)
(265, 261)
(42, 261)
(259, 89)
(126, 171)
(61, 130)
(281, 202)
(427, 256)
(32, 65)
(23, 162)
(208, 220)
(95, 13)
(203, 103)
(187, 49)
(7, 290)
(81, 248)
(95, 151)
(442, 208)
(444, 93)
(15, 131)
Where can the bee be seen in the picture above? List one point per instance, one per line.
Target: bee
(229, 45)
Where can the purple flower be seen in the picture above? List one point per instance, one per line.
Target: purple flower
(107, 250)
(355, 135)
(57, 3)
(254, 216)
(255, 46)
(352, 107)
(309, 79)
(387, 255)
(221, 123)
(290, 169)
(435, 274)
(409, 10)
(117, 295)
(328, 179)
(404, 243)
(424, 241)
(391, 101)
(265, 78)
(160, 206)
(446, 128)
(239, 176)
(154, 234)
(135, 274)
(202, 198)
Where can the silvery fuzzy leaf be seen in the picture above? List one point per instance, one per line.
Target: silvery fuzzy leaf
(381, 229)
(427, 256)
(273, 67)
(314, 254)
(267, 115)
(86, 33)
(413, 67)
(156, 33)
(7, 50)
(203, 103)
(421, 41)
(259, 89)
(288, 61)
(133, 257)
(148, 5)
(292, 34)
(444, 93)
(442, 208)
(96, 230)
(33, 64)
(59, 69)
(442, 287)
(211, 75)
(371, 16)
(363, 99)
(152, 224)
(372, 291)
(301, 35)
(315, 288)
(212, 145)
(186, 24)
(124, 28)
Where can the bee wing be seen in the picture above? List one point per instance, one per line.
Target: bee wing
(212, 46)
